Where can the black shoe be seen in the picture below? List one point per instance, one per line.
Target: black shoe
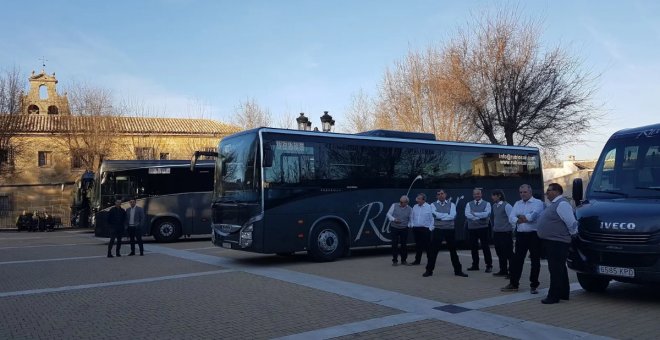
(509, 288)
(548, 301)
(489, 269)
(404, 263)
(395, 263)
(507, 277)
(131, 254)
(564, 298)
(141, 254)
(118, 255)
(473, 268)
(461, 274)
(415, 263)
(427, 274)
(110, 255)
(500, 273)
(533, 290)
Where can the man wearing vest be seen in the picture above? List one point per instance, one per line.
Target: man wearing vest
(421, 222)
(557, 225)
(443, 229)
(477, 216)
(524, 216)
(134, 220)
(502, 231)
(399, 216)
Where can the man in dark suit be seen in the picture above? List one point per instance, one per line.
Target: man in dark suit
(134, 221)
(116, 216)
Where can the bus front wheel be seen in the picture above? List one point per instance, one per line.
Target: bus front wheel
(593, 283)
(327, 242)
(166, 230)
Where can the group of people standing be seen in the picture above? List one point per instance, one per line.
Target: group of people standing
(129, 220)
(537, 227)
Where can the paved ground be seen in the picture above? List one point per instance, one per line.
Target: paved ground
(60, 285)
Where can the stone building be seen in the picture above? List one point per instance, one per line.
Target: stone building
(50, 148)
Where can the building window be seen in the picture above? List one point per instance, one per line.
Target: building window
(45, 159)
(164, 156)
(208, 149)
(33, 109)
(52, 110)
(144, 153)
(5, 208)
(6, 158)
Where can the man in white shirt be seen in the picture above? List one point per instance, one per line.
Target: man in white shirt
(524, 216)
(421, 222)
(134, 220)
(557, 225)
(444, 229)
(477, 217)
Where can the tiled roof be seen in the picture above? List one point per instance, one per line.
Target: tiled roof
(121, 125)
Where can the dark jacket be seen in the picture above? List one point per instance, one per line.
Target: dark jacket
(116, 218)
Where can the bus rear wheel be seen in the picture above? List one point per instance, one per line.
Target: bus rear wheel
(166, 230)
(327, 243)
(593, 283)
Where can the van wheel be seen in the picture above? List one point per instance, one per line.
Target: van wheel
(166, 230)
(327, 242)
(593, 283)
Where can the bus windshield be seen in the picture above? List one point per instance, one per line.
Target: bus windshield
(628, 167)
(237, 176)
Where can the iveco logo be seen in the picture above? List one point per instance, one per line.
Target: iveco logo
(617, 225)
(226, 228)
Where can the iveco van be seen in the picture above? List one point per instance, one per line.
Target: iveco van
(619, 218)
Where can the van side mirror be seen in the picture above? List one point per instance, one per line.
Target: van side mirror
(578, 191)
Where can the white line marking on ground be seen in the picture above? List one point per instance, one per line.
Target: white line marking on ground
(49, 260)
(47, 245)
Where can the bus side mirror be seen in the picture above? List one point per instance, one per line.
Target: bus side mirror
(578, 191)
(268, 157)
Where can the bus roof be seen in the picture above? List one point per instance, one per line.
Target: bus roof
(116, 165)
(404, 137)
(642, 131)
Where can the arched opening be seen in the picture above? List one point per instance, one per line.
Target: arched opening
(43, 92)
(52, 110)
(33, 109)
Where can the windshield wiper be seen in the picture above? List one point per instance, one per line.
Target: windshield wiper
(612, 192)
(649, 188)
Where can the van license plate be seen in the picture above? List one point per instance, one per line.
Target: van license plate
(616, 271)
(226, 245)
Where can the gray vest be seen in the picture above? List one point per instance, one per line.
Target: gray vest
(403, 215)
(550, 225)
(482, 222)
(500, 218)
(443, 209)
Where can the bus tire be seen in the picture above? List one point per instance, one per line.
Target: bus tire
(593, 283)
(327, 242)
(166, 230)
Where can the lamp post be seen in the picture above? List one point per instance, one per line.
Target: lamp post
(303, 122)
(327, 122)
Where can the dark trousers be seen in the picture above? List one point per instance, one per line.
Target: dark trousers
(476, 236)
(115, 234)
(526, 241)
(133, 233)
(503, 241)
(437, 236)
(422, 235)
(556, 253)
(399, 243)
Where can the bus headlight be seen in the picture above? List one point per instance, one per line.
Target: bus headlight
(246, 236)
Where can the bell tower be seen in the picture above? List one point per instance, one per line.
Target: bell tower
(42, 97)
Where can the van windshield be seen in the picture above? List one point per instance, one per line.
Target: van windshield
(628, 167)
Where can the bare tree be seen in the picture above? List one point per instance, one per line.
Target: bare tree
(11, 86)
(360, 115)
(286, 120)
(250, 115)
(518, 93)
(91, 131)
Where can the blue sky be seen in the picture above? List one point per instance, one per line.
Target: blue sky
(184, 56)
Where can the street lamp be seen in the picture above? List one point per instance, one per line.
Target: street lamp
(327, 122)
(303, 122)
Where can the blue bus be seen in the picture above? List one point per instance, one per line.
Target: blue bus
(176, 202)
(280, 191)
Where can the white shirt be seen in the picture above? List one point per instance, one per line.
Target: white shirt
(477, 215)
(565, 212)
(445, 216)
(422, 216)
(131, 216)
(531, 208)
